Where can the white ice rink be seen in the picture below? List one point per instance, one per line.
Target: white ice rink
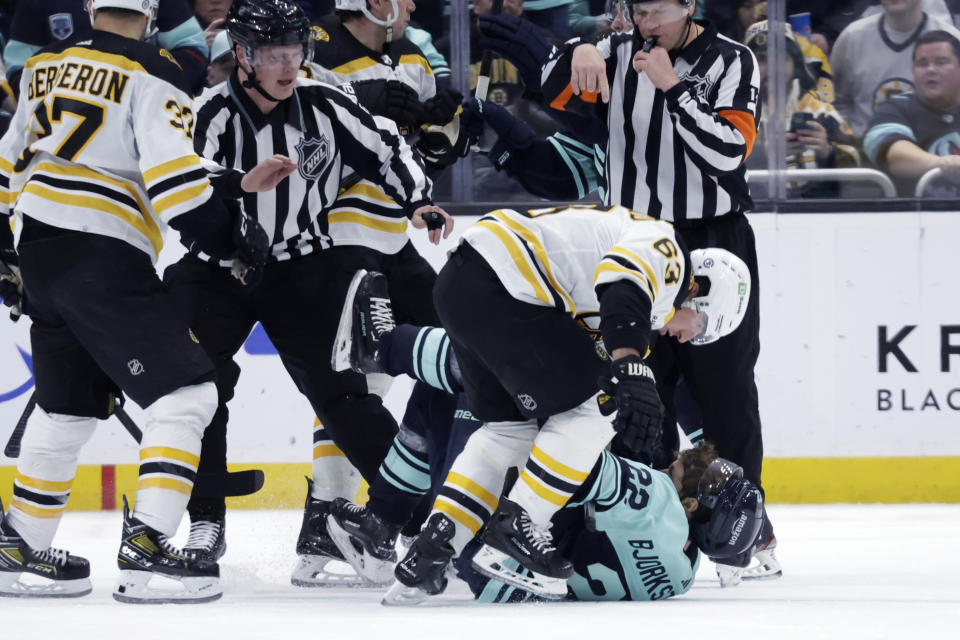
(850, 571)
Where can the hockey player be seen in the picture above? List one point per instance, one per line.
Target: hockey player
(634, 533)
(409, 464)
(98, 161)
(508, 298)
(261, 109)
(366, 44)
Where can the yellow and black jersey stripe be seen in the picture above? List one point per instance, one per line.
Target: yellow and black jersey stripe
(177, 186)
(529, 257)
(625, 264)
(84, 188)
(367, 205)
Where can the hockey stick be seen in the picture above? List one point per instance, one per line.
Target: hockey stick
(483, 77)
(12, 450)
(207, 484)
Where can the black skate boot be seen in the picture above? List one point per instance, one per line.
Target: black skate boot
(367, 315)
(64, 575)
(510, 533)
(145, 552)
(368, 543)
(319, 561)
(422, 572)
(206, 541)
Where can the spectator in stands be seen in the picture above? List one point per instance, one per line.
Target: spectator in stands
(821, 139)
(211, 15)
(38, 23)
(583, 22)
(552, 15)
(222, 62)
(871, 58)
(915, 132)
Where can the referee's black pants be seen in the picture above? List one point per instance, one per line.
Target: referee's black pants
(298, 302)
(719, 376)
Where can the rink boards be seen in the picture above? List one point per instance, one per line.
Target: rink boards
(859, 392)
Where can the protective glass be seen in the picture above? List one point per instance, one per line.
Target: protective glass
(279, 57)
(713, 480)
(649, 15)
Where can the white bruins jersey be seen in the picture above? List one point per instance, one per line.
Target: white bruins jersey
(101, 142)
(363, 214)
(558, 257)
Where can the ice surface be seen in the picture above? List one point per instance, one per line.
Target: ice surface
(850, 571)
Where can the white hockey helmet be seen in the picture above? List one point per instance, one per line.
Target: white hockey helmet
(361, 6)
(724, 292)
(146, 7)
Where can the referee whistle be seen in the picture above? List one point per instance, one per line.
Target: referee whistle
(649, 44)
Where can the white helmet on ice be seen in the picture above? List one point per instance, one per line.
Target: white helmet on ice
(146, 7)
(361, 6)
(724, 292)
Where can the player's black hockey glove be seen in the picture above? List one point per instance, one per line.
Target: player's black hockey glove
(520, 42)
(253, 247)
(391, 99)
(441, 108)
(11, 286)
(632, 392)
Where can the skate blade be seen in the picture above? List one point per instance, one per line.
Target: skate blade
(12, 586)
(763, 574)
(324, 572)
(400, 595)
(340, 358)
(134, 587)
(379, 572)
(492, 563)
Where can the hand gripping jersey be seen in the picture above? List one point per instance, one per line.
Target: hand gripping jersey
(626, 538)
(364, 214)
(557, 257)
(102, 142)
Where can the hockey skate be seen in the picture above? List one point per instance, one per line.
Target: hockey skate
(368, 543)
(319, 561)
(511, 534)
(366, 316)
(423, 571)
(145, 553)
(763, 565)
(206, 541)
(61, 574)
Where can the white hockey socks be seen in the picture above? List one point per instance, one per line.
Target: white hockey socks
(563, 454)
(45, 473)
(170, 454)
(471, 491)
(333, 474)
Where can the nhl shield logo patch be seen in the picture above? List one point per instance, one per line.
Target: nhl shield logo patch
(313, 155)
(61, 25)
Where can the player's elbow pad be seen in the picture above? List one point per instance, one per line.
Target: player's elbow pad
(624, 316)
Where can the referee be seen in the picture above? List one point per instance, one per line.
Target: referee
(264, 108)
(686, 107)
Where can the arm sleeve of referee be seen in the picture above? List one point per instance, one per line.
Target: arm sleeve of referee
(555, 78)
(719, 136)
(375, 150)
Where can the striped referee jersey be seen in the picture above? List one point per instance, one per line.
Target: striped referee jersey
(678, 155)
(328, 134)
